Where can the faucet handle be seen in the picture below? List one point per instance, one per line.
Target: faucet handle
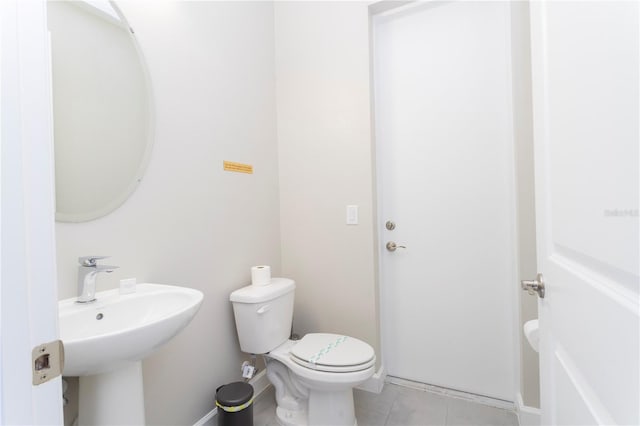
(90, 260)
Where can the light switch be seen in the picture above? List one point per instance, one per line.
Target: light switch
(352, 215)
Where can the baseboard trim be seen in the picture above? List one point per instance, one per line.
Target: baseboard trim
(527, 416)
(260, 383)
(205, 419)
(480, 399)
(375, 382)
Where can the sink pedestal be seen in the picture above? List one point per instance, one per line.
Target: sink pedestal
(113, 398)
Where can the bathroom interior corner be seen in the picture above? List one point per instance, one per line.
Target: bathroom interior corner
(309, 101)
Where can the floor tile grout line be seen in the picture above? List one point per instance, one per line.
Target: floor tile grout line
(393, 400)
(393, 403)
(446, 413)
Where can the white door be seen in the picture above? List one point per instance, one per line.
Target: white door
(445, 159)
(585, 76)
(28, 310)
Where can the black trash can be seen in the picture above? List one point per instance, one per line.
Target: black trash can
(235, 404)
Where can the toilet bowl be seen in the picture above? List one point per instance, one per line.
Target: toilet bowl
(323, 397)
(313, 377)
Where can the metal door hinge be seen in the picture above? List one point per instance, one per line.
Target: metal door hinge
(47, 361)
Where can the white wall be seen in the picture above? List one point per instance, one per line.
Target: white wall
(325, 157)
(189, 223)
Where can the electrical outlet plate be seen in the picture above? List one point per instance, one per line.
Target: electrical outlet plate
(248, 371)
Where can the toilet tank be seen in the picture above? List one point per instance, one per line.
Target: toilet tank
(263, 315)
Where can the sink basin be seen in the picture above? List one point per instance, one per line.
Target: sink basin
(119, 329)
(531, 331)
(106, 340)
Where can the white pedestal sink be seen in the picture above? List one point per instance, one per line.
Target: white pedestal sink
(105, 342)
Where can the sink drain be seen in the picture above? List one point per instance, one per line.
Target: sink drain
(99, 316)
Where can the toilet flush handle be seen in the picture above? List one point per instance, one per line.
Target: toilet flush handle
(263, 309)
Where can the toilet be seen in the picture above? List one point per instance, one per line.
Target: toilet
(313, 377)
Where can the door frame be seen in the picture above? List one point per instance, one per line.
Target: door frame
(29, 309)
(384, 9)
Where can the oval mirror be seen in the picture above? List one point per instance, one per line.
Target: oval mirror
(102, 110)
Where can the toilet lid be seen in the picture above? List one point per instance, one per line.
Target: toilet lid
(332, 352)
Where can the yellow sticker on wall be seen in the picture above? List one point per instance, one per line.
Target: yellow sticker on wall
(230, 166)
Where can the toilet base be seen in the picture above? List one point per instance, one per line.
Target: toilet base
(296, 418)
(310, 397)
(331, 408)
(291, 418)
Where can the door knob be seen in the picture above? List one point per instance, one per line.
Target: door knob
(391, 246)
(535, 286)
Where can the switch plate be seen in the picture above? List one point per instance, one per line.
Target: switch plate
(352, 215)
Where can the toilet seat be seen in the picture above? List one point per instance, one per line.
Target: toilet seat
(332, 353)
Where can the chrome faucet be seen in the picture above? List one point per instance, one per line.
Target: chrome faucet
(87, 272)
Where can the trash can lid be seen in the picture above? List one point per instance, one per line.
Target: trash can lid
(234, 394)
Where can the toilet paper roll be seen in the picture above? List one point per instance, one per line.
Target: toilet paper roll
(261, 275)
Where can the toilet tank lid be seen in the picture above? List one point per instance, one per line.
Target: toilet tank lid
(263, 293)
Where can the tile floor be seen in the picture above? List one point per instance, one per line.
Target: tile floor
(401, 406)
